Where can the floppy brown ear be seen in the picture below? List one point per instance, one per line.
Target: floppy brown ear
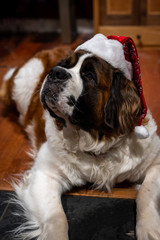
(123, 108)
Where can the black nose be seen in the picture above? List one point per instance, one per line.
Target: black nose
(58, 73)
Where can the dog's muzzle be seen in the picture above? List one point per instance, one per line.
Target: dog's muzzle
(53, 87)
(54, 84)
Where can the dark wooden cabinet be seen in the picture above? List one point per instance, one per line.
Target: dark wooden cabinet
(139, 19)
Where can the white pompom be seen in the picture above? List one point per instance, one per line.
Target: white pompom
(141, 132)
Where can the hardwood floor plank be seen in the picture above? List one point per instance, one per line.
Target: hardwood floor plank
(128, 193)
(13, 147)
(150, 71)
(8, 42)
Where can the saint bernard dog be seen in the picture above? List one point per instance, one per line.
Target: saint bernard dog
(81, 112)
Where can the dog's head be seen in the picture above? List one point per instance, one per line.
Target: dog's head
(92, 95)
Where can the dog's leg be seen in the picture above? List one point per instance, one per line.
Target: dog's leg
(148, 206)
(40, 196)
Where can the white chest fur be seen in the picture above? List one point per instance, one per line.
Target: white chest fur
(76, 157)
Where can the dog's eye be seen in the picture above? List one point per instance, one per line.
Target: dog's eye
(90, 77)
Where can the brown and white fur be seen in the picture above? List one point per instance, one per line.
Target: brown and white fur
(80, 118)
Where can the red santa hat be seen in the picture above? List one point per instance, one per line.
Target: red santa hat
(121, 53)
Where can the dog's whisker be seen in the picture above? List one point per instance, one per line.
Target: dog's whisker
(78, 109)
(84, 94)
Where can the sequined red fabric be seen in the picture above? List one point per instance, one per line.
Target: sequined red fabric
(131, 55)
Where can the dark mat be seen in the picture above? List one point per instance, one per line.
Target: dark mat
(89, 218)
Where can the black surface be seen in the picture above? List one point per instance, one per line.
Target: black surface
(89, 218)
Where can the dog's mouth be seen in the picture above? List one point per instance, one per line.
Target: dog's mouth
(51, 102)
(54, 100)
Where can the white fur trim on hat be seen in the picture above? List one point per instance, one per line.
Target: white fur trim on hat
(110, 50)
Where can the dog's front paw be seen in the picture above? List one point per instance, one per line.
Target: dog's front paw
(148, 229)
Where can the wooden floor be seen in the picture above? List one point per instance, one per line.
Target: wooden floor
(14, 50)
